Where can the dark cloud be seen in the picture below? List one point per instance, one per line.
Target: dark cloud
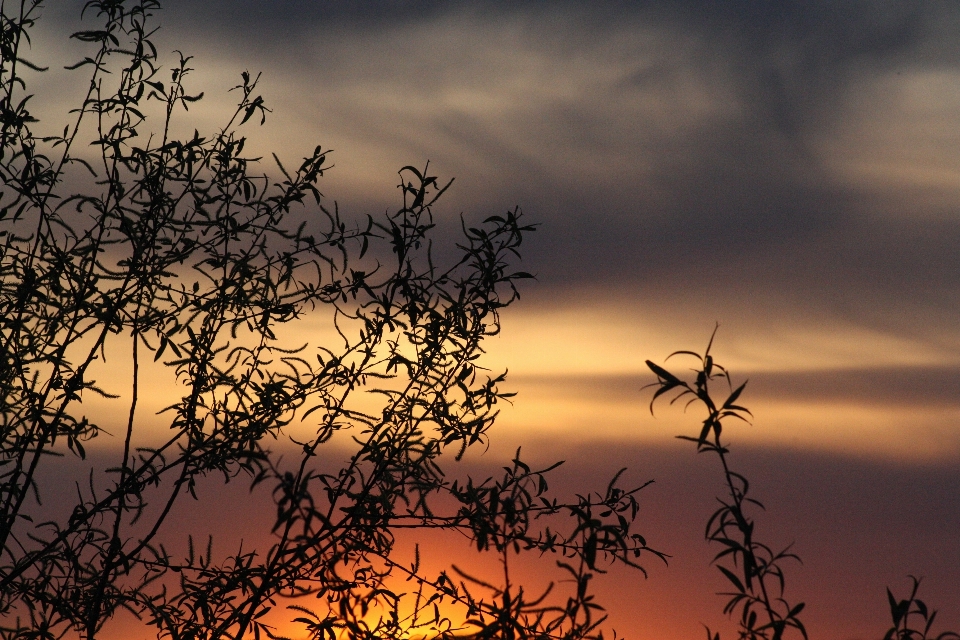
(663, 145)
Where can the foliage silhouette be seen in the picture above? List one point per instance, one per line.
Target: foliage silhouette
(186, 255)
(183, 254)
(754, 569)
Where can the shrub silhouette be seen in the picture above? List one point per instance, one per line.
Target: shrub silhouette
(184, 252)
(754, 570)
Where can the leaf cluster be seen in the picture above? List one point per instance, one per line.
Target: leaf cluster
(753, 568)
(912, 619)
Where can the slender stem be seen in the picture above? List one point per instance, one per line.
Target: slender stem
(115, 548)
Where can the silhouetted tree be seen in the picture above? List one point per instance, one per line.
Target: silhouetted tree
(118, 236)
(754, 570)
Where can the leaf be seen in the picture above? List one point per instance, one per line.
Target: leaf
(590, 551)
(732, 398)
(732, 578)
(162, 348)
(31, 65)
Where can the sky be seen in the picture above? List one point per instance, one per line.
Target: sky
(789, 170)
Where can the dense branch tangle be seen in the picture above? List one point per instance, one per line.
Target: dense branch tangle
(180, 252)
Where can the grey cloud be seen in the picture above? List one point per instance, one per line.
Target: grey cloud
(661, 145)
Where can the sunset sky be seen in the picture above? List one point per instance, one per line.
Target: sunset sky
(789, 170)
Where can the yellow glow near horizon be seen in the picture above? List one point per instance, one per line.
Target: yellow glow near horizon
(579, 372)
(605, 338)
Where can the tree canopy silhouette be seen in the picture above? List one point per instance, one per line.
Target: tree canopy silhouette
(124, 244)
